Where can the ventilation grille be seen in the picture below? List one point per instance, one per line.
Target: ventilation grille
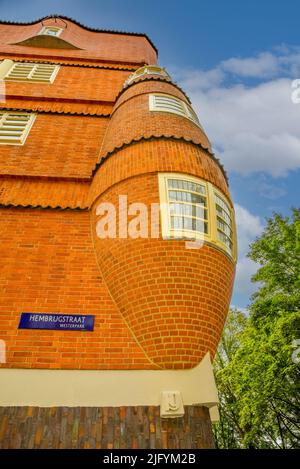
(14, 127)
(32, 72)
(168, 103)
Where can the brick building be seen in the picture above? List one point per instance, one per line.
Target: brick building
(88, 120)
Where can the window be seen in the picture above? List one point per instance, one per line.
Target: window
(187, 206)
(147, 69)
(224, 221)
(15, 126)
(195, 209)
(51, 31)
(168, 103)
(27, 71)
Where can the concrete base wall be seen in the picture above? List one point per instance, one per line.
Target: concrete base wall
(104, 427)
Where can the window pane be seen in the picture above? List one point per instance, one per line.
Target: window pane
(224, 222)
(188, 210)
(188, 205)
(187, 185)
(187, 197)
(222, 237)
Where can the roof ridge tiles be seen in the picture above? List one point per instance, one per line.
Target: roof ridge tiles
(88, 28)
(156, 137)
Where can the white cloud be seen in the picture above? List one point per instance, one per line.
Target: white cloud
(263, 65)
(244, 310)
(245, 269)
(252, 128)
(249, 226)
(283, 61)
(195, 80)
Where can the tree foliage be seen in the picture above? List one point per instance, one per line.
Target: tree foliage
(257, 368)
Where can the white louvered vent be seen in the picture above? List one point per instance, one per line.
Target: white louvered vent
(32, 72)
(168, 103)
(15, 126)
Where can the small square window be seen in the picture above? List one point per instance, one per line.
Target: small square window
(51, 31)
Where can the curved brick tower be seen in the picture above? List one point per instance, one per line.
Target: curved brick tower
(112, 198)
(177, 298)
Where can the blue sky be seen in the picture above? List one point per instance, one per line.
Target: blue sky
(236, 60)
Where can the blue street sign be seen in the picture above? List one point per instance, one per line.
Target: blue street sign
(58, 322)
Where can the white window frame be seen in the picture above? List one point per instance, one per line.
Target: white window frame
(169, 233)
(20, 137)
(174, 106)
(146, 70)
(44, 30)
(231, 225)
(31, 74)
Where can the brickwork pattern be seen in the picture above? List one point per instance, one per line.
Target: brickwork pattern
(48, 265)
(69, 147)
(157, 304)
(157, 155)
(73, 83)
(68, 61)
(92, 45)
(58, 107)
(174, 299)
(44, 192)
(132, 120)
(144, 85)
(107, 428)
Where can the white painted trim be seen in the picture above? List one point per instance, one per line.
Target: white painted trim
(92, 388)
(5, 67)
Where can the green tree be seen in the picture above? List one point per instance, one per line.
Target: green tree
(261, 373)
(228, 432)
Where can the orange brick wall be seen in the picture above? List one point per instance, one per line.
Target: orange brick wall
(57, 145)
(74, 83)
(156, 303)
(44, 192)
(144, 85)
(132, 119)
(48, 264)
(153, 155)
(92, 45)
(166, 292)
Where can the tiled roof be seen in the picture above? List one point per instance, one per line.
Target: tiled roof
(70, 63)
(158, 136)
(57, 107)
(44, 193)
(88, 28)
(152, 78)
